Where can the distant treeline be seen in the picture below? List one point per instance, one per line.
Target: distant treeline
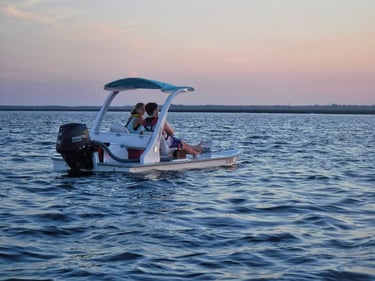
(322, 109)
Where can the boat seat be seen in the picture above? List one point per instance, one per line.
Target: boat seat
(117, 128)
(165, 150)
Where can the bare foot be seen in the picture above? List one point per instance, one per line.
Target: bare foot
(199, 147)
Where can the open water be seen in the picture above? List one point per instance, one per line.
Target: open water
(298, 206)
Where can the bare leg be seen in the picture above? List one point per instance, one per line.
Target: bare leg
(189, 149)
(199, 146)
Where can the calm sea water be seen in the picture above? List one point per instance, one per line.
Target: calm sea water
(298, 206)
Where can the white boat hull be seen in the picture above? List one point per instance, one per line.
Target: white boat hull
(205, 160)
(117, 147)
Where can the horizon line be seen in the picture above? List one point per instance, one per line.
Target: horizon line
(318, 109)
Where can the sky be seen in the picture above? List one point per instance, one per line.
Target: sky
(235, 52)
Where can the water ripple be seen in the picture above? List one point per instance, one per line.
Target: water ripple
(298, 206)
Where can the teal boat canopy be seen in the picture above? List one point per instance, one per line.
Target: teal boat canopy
(142, 83)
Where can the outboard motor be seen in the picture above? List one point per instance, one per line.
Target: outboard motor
(74, 145)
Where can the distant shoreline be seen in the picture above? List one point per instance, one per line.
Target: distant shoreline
(303, 109)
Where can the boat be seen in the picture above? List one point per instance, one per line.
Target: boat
(113, 149)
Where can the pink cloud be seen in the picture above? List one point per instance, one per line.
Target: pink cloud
(104, 29)
(16, 13)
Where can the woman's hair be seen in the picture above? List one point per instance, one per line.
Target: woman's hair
(137, 107)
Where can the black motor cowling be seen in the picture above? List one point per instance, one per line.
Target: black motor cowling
(74, 145)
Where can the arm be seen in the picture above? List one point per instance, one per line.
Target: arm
(168, 129)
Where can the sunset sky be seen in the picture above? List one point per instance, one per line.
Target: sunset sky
(238, 52)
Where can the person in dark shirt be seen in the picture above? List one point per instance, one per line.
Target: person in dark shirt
(168, 132)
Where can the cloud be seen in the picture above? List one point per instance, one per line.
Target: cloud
(19, 14)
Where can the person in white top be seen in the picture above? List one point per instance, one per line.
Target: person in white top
(135, 121)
